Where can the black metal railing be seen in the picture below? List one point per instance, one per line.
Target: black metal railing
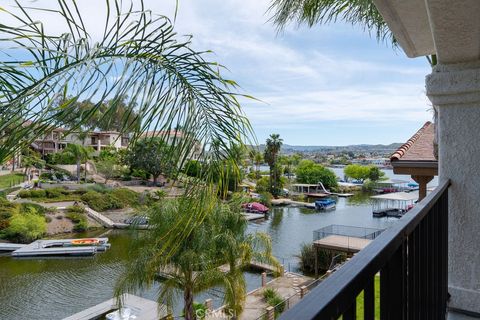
(411, 258)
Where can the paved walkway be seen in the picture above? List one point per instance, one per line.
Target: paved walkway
(255, 306)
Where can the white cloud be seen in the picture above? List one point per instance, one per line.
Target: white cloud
(302, 75)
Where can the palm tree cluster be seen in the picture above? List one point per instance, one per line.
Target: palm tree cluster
(272, 148)
(214, 253)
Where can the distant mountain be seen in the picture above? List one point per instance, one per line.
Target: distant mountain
(357, 148)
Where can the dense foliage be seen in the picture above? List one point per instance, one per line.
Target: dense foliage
(192, 262)
(310, 172)
(362, 173)
(21, 222)
(98, 198)
(151, 155)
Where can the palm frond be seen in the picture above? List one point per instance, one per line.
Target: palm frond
(138, 56)
(361, 13)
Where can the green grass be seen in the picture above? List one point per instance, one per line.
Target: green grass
(8, 180)
(377, 301)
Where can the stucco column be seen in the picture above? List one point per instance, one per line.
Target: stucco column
(455, 90)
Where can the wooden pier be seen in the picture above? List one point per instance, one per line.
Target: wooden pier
(141, 308)
(342, 243)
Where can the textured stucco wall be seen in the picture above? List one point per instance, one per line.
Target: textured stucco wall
(455, 90)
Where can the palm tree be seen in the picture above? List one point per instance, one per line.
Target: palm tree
(80, 154)
(273, 145)
(258, 160)
(238, 249)
(137, 53)
(188, 268)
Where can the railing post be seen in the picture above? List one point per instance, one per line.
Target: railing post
(392, 286)
(270, 313)
(264, 279)
(303, 291)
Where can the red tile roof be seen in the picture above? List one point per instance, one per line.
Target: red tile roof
(419, 147)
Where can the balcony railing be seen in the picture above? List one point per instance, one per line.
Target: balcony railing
(411, 258)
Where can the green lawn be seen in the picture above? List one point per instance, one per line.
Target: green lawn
(377, 301)
(8, 180)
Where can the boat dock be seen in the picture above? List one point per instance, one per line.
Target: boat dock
(254, 216)
(61, 247)
(11, 246)
(286, 201)
(348, 239)
(342, 243)
(141, 308)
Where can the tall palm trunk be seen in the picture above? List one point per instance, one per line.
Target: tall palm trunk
(78, 170)
(188, 300)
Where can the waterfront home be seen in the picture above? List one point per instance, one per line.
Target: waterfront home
(428, 262)
(58, 139)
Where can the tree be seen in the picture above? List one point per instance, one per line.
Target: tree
(138, 53)
(357, 172)
(108, 167)
(238, 248)
(258, 160)
(80, 154)
(151, 155)
(273, 145)
(31, 159)
(312, 173)
(375, 174)
(193, 265)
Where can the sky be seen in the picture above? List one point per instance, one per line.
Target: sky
(326, 85)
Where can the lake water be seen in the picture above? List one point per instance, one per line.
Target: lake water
(49, 289)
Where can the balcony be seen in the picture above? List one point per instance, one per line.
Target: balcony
(411, 260)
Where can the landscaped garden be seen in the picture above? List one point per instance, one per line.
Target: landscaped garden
(12, 179)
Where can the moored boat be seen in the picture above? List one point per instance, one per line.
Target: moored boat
(325, 204)
(255, 207)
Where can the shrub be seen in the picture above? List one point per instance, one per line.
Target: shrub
(32, 208)
(263, 185)
(77, 215)
(129, 198)
(269, 293)
(273, 299)
(266, 199)
(37, 193)
(138, 173)
(54, 193)
(24, 194)
(75, 209)
(26, 227)
(101, 202)
(81, 226)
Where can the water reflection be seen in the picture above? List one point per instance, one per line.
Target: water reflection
(49, 289)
